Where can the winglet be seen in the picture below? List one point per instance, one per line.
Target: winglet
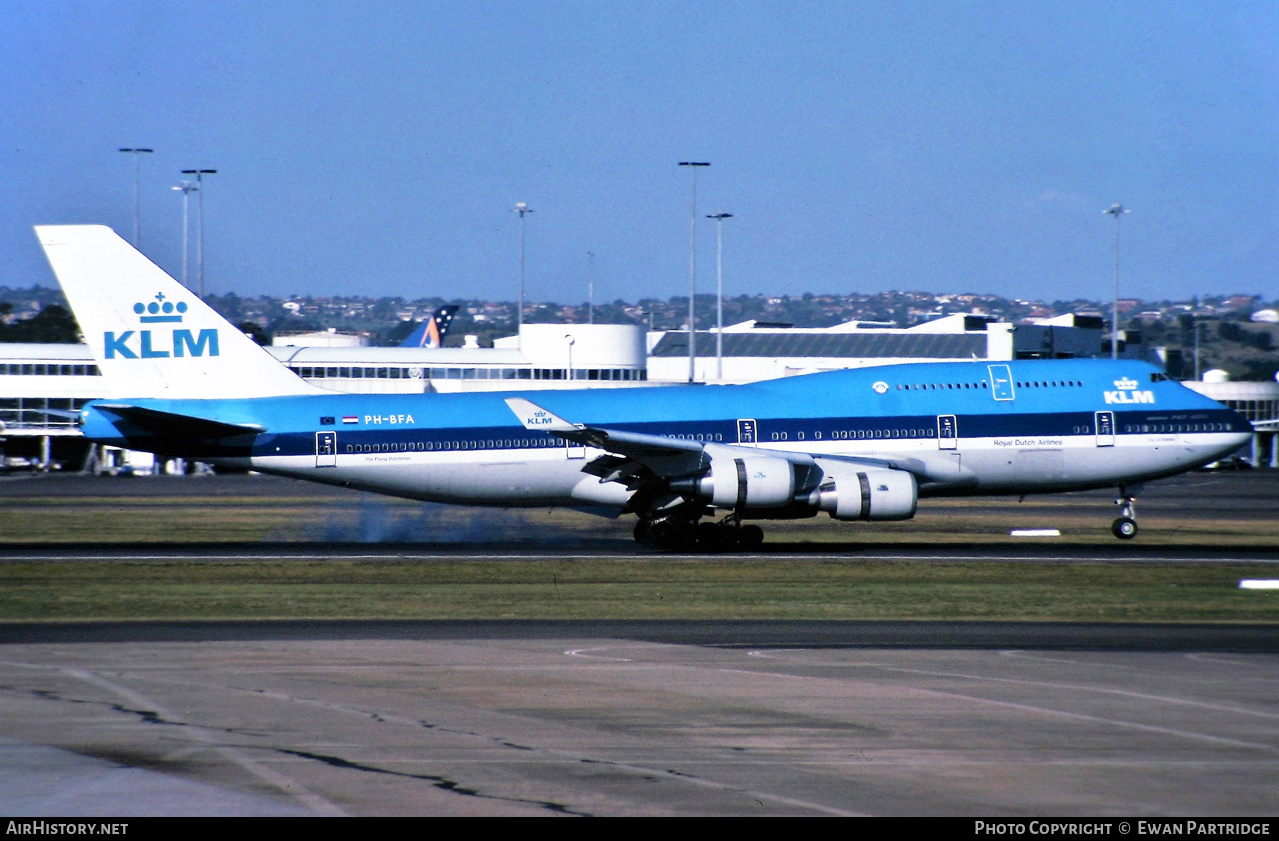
(535, 417)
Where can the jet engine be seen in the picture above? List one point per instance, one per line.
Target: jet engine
(748, 482)
(853, 492)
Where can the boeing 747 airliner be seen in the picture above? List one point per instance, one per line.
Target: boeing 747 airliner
(862, 444)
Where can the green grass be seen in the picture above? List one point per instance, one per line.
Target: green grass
(156, 519)
(639, 589)
(233, 519)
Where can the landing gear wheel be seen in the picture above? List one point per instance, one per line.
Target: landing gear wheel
(1125, 528)
(642, 529)
(750, 537)
(710, 537)
(674, 534)
(718, 537)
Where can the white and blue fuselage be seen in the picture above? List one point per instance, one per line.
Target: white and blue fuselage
(959, 428)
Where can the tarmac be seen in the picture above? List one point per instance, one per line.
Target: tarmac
(562, 719)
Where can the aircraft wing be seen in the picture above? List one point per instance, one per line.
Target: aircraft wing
(636, 456)
(171, 425)
(665, 457)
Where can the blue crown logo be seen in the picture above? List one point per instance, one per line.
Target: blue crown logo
(160, 310)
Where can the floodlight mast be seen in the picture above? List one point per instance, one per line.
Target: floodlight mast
(199, 239)
(692, 271)
(719, 291)
(522, 209)
(137, 193)
(1116, 210)
(186, 188)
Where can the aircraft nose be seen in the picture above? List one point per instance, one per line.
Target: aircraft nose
(1242, 428)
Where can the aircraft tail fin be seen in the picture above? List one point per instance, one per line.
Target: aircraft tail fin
(150, 335)
(431, 333)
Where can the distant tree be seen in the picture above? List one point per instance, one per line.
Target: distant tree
(254, 332)
(229, 306)
(1230, 331)
(52, 325)
(293, 324)
(385, 309)
(399, 332)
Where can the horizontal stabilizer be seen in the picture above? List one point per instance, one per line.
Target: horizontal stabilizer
(56, 413)
(170, 425)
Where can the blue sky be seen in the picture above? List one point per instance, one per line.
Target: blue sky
(378, 148)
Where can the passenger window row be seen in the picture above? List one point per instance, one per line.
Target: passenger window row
(48, 369)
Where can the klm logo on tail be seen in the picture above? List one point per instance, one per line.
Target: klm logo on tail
(152, 344)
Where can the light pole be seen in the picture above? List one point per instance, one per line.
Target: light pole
(719, 292)
(1195, 321)
(199, 239)
(692, 270)
(590, 287)
(137, 194)
(570, 341)
(1116, 210)
(522, 209)
(187, 188)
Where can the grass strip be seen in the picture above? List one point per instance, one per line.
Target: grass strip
(634, 589)
(246, 520)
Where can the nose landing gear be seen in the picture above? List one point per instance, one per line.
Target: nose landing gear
(1125, 526)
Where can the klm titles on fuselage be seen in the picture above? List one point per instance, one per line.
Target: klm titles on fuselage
(1126, 392)
(152, 344)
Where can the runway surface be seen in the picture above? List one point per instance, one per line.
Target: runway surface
(638, 718)
(627, 549)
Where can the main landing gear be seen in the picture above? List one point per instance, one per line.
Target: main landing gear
(1125, 526)
(683, 534)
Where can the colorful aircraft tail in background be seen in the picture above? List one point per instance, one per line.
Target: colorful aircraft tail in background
(431, 333)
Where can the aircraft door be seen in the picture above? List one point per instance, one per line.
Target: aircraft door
(747, 432)
(1105, 429)
(574, 450)
(326, 449)
(947, 432)
(1001, 382)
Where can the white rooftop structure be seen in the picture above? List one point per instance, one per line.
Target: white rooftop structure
(543, 356)
(321, 338)
(758, 351)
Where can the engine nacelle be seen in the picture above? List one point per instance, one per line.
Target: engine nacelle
(748, 482)
(851, 492)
